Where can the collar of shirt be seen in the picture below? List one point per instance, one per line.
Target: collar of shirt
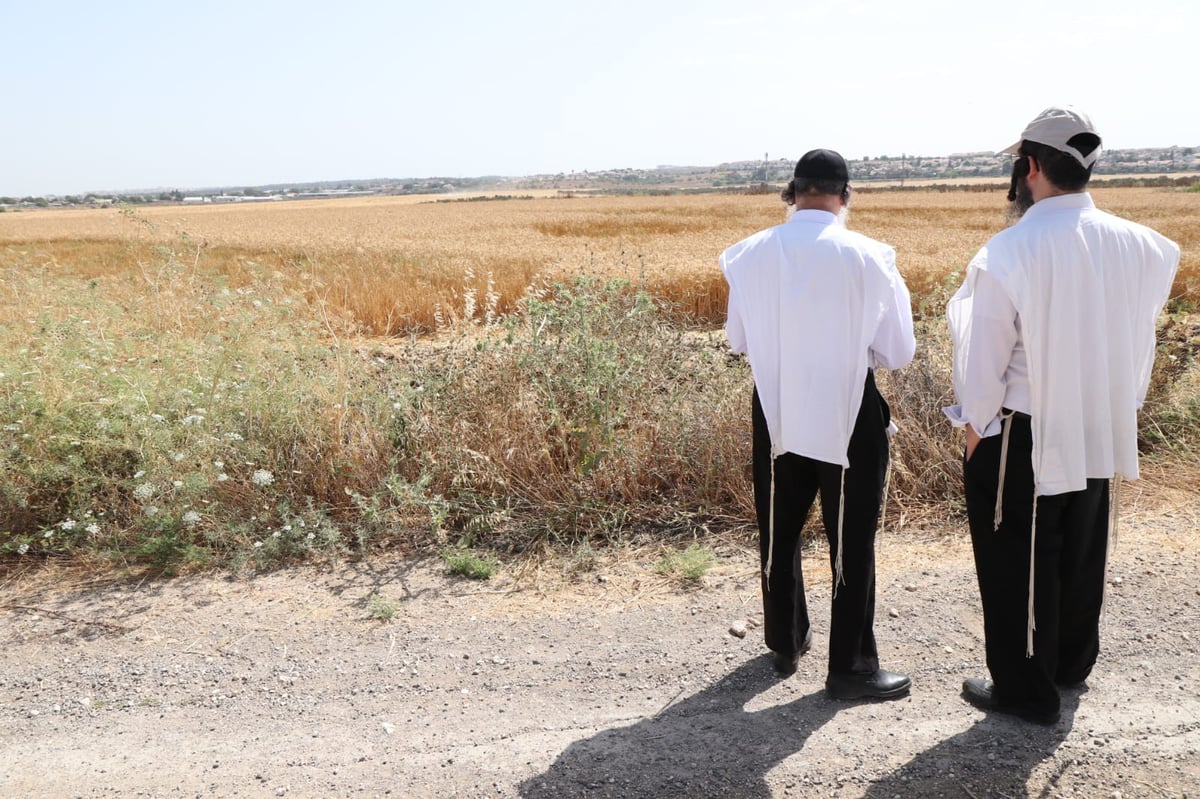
(814, 215)
(1061, 202)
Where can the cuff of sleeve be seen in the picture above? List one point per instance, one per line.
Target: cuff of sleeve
(955, 414)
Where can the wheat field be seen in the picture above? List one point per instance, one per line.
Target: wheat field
(394, 265)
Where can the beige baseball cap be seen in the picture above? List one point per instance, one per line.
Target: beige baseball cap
(1054, 127)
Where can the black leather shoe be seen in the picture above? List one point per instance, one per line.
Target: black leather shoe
(880, 685)
(786, 664)
(981, 693)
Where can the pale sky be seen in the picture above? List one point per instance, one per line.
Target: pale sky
(123, 95)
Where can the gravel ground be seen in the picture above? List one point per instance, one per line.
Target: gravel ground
(610, 682)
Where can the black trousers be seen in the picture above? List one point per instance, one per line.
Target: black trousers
(1070, 553)
(797, 481)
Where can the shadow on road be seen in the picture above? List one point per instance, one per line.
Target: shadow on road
(705, 745)
(995, 757)
(708, 745)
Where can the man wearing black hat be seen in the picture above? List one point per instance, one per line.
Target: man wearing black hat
(1053, 333)
(816, 307)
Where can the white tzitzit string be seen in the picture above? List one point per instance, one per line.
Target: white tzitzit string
(1006, 423)
(1110, 543)
(771, 526)
(887, 481)
(1031, 626)
(838, 577)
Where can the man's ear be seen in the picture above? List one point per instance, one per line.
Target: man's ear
(1034, 167)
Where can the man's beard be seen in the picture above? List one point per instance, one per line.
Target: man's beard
(1022, 201)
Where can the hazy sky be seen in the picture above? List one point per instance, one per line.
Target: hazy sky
(119, 94)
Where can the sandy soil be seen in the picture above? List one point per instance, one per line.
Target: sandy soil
(613, 682)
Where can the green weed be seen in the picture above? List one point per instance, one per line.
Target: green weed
(381, 609)
(689, 565)
(469, 564)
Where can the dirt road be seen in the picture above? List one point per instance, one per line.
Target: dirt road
(614, 683)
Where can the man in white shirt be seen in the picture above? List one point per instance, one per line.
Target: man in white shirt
(1054, 338)
(816, 307)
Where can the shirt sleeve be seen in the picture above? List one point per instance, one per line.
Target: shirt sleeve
(894, 343)
(994, 334)
(1156, 283)
(734, 329)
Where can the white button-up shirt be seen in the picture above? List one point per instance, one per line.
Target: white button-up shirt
(814, 306)
(1056, 318)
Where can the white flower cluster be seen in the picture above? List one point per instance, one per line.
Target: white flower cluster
(262, 477)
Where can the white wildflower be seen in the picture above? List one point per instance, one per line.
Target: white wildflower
(12, 428)
(219, 464)
(191, 518)
(93, 529)
(222, 477)
(276, 534)
(193, 419)
(287, 527)
(22, 549)
(143, 491)
(257, 544)
(234, 437)
(310, 536)
(151, 510)
(158, 417)
(67, 524)
(139, 474)
(48, 533)
(178, 484)
(262, 477)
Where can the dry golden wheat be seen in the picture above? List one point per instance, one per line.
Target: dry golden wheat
(391, 265)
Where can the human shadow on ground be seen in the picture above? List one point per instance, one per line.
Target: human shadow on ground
(705, 745)
(995, 757)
